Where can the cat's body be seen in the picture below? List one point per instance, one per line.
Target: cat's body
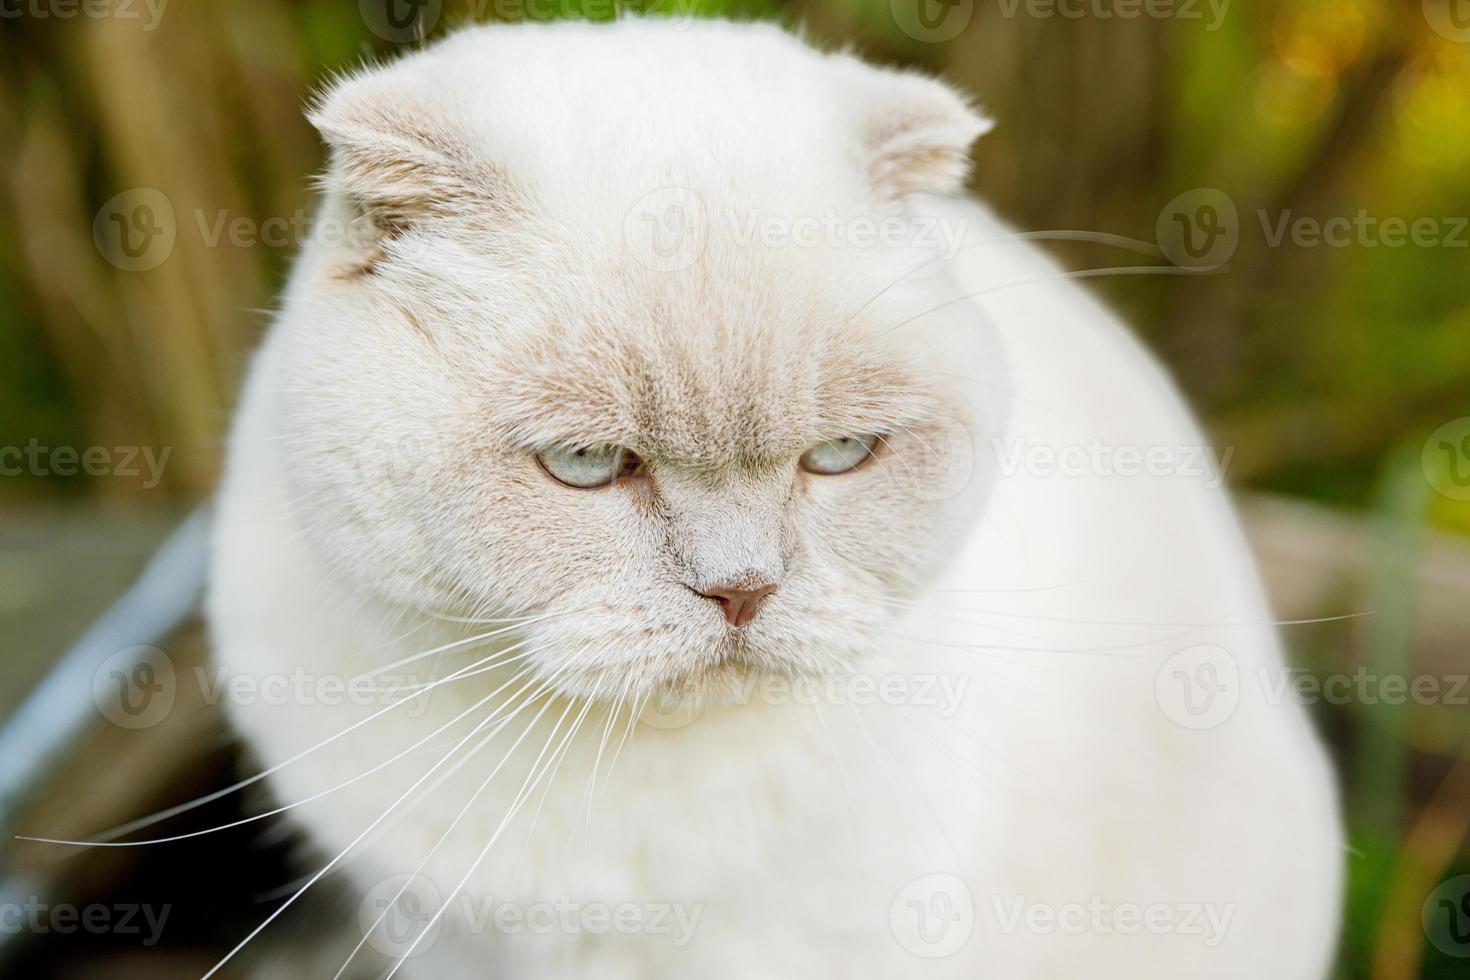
(1008, 775)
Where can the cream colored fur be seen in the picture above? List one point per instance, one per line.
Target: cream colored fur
(496, 297)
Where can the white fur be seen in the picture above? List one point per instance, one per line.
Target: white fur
(495, 307)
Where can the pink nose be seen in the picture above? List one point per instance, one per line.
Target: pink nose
(738, 604)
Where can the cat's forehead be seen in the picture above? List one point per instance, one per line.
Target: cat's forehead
(705, 383)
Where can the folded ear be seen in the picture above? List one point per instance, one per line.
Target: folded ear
(396, 157)
(915, 131)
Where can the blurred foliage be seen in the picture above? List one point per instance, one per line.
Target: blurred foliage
(1324, 367)
(1309, 360)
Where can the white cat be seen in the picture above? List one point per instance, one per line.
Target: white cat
(657, 364)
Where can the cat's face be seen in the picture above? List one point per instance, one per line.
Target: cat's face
(694, 458)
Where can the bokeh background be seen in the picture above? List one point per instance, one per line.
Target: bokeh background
(155, 180)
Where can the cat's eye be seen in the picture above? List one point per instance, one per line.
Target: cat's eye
(591, 466)
(839, 455)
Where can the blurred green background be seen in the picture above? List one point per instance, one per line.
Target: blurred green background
(1335, 363)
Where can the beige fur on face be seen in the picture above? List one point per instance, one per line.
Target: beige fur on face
(497, 310)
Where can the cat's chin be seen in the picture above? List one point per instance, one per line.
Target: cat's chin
(724, 683)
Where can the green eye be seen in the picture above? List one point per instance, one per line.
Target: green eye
(590, 467)
(839, 455)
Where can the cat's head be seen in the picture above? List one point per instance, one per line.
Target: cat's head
(632, 328)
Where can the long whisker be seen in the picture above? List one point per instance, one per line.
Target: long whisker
(521, 797)
(1117, 649)
(634, 711)
(460, 816)
(938, 608)
(461, 643)
(1066, 235)
(590, 792)
(291, 806)
(540, 804)
(485, 665)
(341, 854)
(885, 768)
(841, 771)
(174, 811)
(1127, 270)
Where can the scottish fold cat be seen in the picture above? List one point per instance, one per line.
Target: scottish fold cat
(716, 547)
